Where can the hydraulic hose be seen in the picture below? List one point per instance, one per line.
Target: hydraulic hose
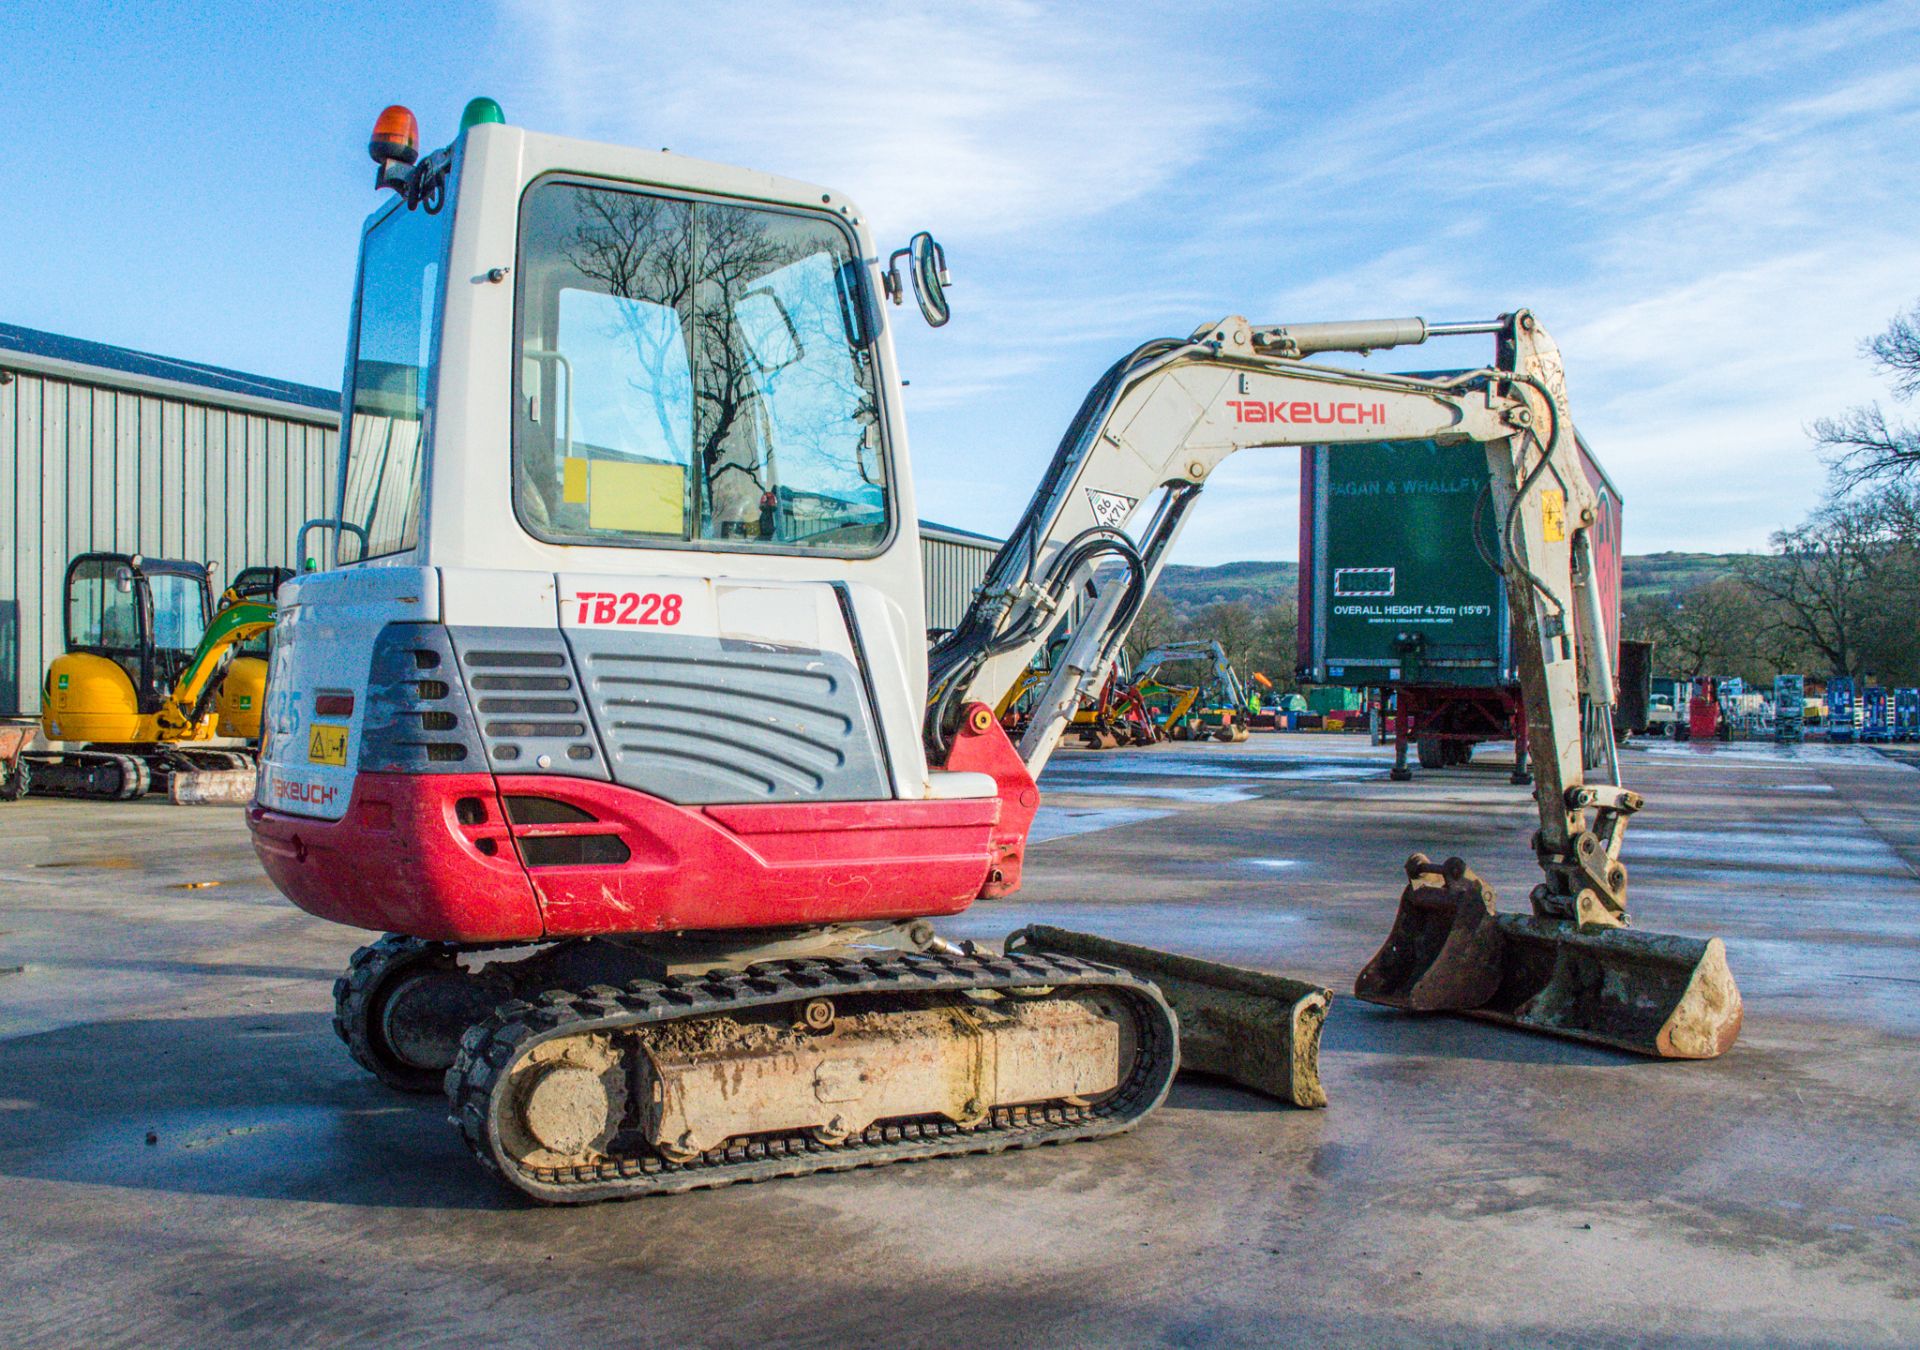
(984, 630)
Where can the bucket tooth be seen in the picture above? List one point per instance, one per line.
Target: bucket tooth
(1652, 993)
(1258, 1030)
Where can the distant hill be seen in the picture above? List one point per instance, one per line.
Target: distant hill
(1665, 573)
(1262, 585)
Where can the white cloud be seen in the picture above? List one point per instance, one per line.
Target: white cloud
(1709, 215)
(990, 119)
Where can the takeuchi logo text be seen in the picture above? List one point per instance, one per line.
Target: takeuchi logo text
(1301, 411)
(314, 794)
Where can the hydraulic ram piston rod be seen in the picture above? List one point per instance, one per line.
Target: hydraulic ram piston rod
(1361, 335)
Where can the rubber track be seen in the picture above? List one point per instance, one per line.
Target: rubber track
(47, 769)
(489, 1048)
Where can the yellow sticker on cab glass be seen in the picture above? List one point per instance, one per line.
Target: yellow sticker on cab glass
(1553, 515)
(327, 745)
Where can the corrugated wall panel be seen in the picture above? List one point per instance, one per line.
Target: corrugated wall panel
(10, 546)
(951, 572)
(38, 521)
(124, 412)
(151, 508)
(56, 508)
(86, 465)
(65, 409)
(193, 505)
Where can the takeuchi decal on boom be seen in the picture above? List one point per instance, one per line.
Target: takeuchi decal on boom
(1300, 411)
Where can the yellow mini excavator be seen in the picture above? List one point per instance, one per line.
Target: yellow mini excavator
(147, 680)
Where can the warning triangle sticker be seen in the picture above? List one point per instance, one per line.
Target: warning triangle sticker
(1110, 508)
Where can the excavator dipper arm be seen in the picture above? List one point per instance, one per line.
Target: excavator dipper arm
(193, 692)
(1158, 424)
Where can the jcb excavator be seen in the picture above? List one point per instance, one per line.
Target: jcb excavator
(613, 711)
(147, 677)
(240, 698)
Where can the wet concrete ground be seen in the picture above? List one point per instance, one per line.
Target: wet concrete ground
(1467, 1185)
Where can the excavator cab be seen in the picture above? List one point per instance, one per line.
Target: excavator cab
(132, 626)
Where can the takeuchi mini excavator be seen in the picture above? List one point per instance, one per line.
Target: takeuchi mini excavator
(148, 677)
(613, 709)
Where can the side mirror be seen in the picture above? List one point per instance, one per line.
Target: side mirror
(928, 263)
(123, 581)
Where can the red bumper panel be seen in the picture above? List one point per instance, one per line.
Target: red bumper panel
(403, 860)
(757, 866)
(434, 855)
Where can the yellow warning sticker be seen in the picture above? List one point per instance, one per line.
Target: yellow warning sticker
(327, 744)
(1553, 515)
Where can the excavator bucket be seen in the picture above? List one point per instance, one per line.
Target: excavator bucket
(1450, 951)
(1261, 1031)
(212, 787)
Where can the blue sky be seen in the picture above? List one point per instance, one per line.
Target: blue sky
(1708, 205)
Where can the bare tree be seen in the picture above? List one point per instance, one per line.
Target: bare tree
(1236, 627)
(1280, 644)
(1825, 581)
(1155, 624)
(1863, 444)
(701, 265)
(1709, 629)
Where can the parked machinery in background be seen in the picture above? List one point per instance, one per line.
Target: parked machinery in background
(1906, 715)
(1703, 708)
(1115, 717)
(1842, 708)
(15, 734)
(1789, 708)
(132, 697)
(1876, 713)
(1215, 704)
(242, 691)
(1666, 707)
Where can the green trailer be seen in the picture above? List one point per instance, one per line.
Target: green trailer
(1401, 590)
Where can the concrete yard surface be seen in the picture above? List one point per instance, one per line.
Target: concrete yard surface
(188, 1157)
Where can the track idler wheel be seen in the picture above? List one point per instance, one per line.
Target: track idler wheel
(1450, 951)
(403, 1006)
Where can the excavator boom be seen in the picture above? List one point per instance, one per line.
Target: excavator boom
(1161, 421)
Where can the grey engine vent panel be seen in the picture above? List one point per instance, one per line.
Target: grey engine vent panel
(417, 717)
(527, 703)
(709, 720)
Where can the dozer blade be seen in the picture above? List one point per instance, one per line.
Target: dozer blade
(1261, 1031)
(212, 787)
(1450, 951)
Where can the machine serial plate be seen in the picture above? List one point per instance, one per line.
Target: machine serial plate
(327, 745)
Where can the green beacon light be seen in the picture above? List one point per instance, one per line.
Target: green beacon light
(481, 110)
